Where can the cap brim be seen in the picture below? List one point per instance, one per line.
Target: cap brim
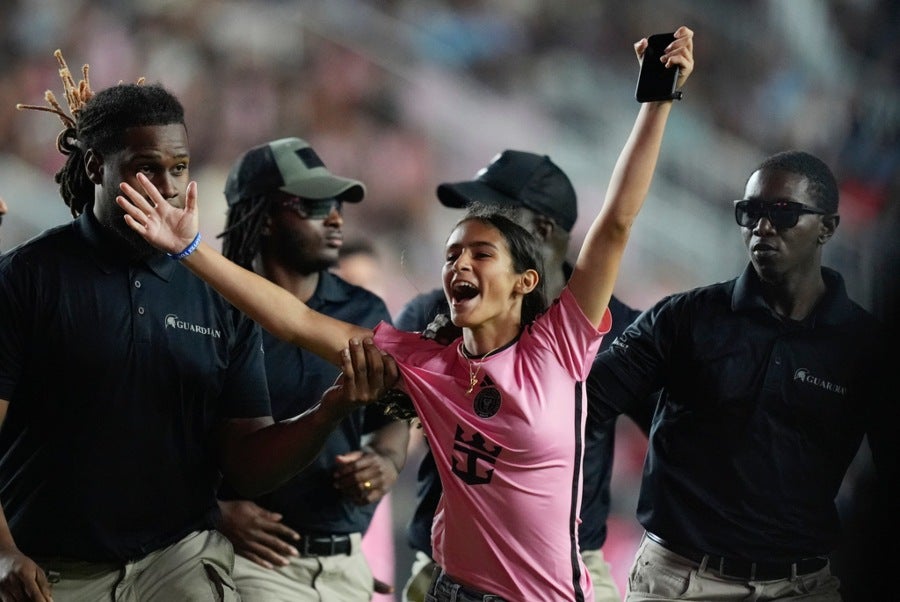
(327, 187)
(463, 194)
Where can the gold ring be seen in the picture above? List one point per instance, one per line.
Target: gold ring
(367, 485)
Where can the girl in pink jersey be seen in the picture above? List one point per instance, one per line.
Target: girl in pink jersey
(503, 406)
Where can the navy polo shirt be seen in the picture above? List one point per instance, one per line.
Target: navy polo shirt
(599, 439)
(759, 418)
(297, 378)
(116, 374)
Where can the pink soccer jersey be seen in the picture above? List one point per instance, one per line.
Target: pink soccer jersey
(509, 453)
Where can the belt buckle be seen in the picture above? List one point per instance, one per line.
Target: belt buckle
(311, 545)
(332, 544)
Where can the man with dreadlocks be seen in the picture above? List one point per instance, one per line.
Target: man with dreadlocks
(302, 541)
(128, 386)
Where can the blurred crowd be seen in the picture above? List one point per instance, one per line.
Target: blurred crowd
(405, 94)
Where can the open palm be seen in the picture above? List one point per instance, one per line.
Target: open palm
(163, 225)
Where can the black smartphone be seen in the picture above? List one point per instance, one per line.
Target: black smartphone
(655, 81)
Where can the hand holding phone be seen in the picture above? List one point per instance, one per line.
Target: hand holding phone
(656, 81)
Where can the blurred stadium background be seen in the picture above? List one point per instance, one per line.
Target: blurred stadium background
(405, 94)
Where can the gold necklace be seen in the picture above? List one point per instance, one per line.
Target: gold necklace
(473, 374)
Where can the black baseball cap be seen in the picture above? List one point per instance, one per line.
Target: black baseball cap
(289, 165)
(518, 178)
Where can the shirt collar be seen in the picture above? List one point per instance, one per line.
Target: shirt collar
(833, 308)
(329, 290)
(107, 251)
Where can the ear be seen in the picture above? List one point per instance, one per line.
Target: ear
(827, 227)
(528, 280)
(543, 227)
(93, 165)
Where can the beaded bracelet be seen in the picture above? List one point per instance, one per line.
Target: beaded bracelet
(188, 250)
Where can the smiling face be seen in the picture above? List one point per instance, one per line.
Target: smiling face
(480, 280)
(778, 254)
(160, 152)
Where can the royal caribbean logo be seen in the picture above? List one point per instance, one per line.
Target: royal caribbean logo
(172, 321)
(804, 376)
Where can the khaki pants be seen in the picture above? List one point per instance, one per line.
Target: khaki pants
(660, 575)
(338, 578)
(605, 589)
(196, 568)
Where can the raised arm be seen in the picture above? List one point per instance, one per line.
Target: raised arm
(173, 229)
(598, 262)
(20, 576)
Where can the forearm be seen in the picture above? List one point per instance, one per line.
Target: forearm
(274, 308)
(629, 183)
(635, 166)
(6, 539)
(391, 442)
(597, 266)
(264, 459)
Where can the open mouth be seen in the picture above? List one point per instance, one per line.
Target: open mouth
(462, 291)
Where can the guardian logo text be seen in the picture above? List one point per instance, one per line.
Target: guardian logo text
(804, 376)
(172, 321)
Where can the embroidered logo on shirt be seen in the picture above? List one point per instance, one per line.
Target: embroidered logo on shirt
(172, 321)
(487, 402)
(474, 449)
(804, 376)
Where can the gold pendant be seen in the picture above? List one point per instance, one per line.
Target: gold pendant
(473, 380)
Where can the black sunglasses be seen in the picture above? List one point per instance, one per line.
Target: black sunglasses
(781, 214)
(311, 208)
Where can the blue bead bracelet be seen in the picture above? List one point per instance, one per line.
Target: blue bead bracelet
(188, 250)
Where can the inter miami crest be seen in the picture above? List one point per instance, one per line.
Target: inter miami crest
(487, 401)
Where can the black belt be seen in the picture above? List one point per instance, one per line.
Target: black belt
(443, 586)
(324, 545)
(737, 568)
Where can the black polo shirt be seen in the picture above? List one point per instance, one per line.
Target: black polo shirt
(599, 439)
(116, 373)
(759, 417)
(297, 378)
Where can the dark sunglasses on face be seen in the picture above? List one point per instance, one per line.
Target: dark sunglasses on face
(311, 208)
(781, 214)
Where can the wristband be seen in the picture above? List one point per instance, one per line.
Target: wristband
(188, 250)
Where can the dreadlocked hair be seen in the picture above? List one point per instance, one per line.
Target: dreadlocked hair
(98, 121)
(243, 230)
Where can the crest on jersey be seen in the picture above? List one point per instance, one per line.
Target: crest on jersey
(487, 401)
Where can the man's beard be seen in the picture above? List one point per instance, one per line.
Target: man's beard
(132, 242)
(290, 249)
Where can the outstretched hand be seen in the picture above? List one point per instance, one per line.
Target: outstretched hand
(679, 53)
(163, 225)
